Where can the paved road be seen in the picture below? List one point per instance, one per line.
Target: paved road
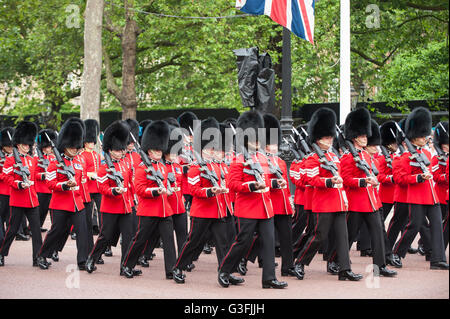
(18, 279)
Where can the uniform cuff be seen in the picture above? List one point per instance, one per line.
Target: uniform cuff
(252, 187)
(362, 182)
(209, 193)
(274, 183)
(328, 183)
(420, 179)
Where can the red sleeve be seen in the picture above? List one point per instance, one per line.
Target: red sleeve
(194, 183)
(8, 173)
(347, 168)
(235, 180)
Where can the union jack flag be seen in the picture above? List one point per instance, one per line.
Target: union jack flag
(295, 15)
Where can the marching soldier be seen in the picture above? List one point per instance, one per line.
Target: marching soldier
(415, 173)
(329, 200)
(6, 149)
(359, 185)
(154, 211)
(93, 161)
(208, 210)
(41, 162)
(249, 179)
(280, 197)
(175, 176)
(186, 120)
(439, 166)
(19, 173)
(114, 183)
(64, 178)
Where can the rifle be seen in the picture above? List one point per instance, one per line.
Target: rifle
(386, 155)
(360, 163)
(63, 168)
(113, 174)
(324, 162)
(252, 168)
(298, 154)
(305, 145)
(152, 174)
(22, 171)
(42, 161)
(400, 146)
(206, 172)
(2, 158)
(421, 160)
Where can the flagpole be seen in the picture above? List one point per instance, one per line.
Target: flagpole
(345, 71)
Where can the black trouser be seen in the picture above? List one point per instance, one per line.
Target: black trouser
(196, 238)
(111, 225)
(146, 229)
(95, 215)
(244, 238)
(397, 222)
(180, 228)
(373, 222)
(61, 221)
(14, 223)
(4, 211)
(299, 222)
(44, 203)
(416, 219)
(324, 222)
(364, 236)
(283, 224)
(300, 242)
(89, 231)
(444, 209)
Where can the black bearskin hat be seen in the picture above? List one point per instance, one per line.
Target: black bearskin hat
(175, 137)
(271, 124)
(249, 124)
(156, 136)
(207, 134)
(116, 136)
(227, 137)
(186, 120)
(133, 129)
(357, 123)
(81, 122)
(92, 130)
(386, 134)
(5, 139)
(322, 123)
(440, 136)
(25, 133)
(418, 123)
(43, 141)
(71, 135)
(375, 138)
(172, 121)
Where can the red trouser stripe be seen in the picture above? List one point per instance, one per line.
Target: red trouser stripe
(314, 237)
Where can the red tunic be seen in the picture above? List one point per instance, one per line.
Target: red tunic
(280, 197)
(326, 197)
(385, 177)
(93, 161)
(151, 204)
(204, 203)
(111, 203)
(20, 197)
(440, 178)
(68, 200)
(361, 197)
(248, 204)
(418, 192)
(4, 186)
(176, 200)
(40, 182)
